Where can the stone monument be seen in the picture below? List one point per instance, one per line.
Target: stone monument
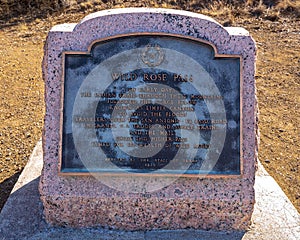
(150, 122)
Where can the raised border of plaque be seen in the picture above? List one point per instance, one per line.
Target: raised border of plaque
(147, 201)
(137, 174)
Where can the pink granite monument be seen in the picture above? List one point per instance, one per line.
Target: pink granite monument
(151, 122)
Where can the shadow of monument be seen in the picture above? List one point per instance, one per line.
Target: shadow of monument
(6, 186)
(22, 213)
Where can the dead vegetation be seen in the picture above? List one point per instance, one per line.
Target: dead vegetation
(11, 10)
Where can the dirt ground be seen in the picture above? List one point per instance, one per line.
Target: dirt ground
(278, 91)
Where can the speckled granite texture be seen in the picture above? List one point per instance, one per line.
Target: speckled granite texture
(221, 203)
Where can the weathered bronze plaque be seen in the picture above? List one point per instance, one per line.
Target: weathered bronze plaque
(151, 104)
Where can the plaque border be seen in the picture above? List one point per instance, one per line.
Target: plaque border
(123, 174)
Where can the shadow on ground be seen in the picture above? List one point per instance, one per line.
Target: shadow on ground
(6, 186)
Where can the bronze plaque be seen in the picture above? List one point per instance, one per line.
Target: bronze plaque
(151, 104)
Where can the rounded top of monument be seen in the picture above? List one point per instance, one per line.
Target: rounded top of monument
(120, 22)
(160, 11)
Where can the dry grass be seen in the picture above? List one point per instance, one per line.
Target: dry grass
(267, 9)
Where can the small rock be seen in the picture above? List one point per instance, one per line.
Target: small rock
(267, 161)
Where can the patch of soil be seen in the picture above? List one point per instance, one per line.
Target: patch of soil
(278, 91)
(21, 105)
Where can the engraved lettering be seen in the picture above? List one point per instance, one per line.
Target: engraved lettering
(124, 76)
(204, 146)
(105, 95)
(85, 94)
(155, 77)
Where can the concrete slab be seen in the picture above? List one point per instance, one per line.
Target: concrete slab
(274, 215)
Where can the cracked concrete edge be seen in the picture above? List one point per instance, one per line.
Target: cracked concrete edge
(274, 216)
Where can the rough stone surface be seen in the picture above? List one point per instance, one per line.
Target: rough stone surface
(223, 203)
